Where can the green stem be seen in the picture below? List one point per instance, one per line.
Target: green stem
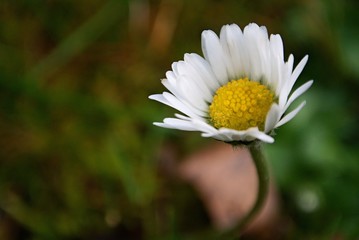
(263, 187)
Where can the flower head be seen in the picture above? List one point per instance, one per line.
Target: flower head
(239, 92)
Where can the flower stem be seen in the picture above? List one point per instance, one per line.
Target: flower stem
(263, 187)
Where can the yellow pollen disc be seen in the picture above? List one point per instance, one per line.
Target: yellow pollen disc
(241, 104)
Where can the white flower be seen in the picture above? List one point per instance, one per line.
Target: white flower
(240, 90)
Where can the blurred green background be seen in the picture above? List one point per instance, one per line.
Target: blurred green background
(80, 158)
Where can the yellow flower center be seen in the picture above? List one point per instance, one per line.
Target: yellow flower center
(241, 104)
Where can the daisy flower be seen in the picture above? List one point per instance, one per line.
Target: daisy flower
(239, 92)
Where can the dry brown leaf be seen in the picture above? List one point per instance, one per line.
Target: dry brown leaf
(226, 180)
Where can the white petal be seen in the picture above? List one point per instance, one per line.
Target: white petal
(256, 40)
(179, 84)
(288, 85)
(197, 81)
(204, 70)
(236, 50)
(287, 68)
(192, 93)
(213, 53)
(173, 89)
(225, 42)
(229, 135)
(168, 99)
(175, 69)
(289, 64)
(299, 68)
(293, 78)
(235, 135)
(180, 116)
(159, 98)
(187, 124)
(275, 75)
(262, 136)
(171, 77)
(183, 107)
(178, 87)
(299, 91)
(219, 135)
(178, 124)
(276, 44)
(272, 118)
(290, 115)
(204, 126)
